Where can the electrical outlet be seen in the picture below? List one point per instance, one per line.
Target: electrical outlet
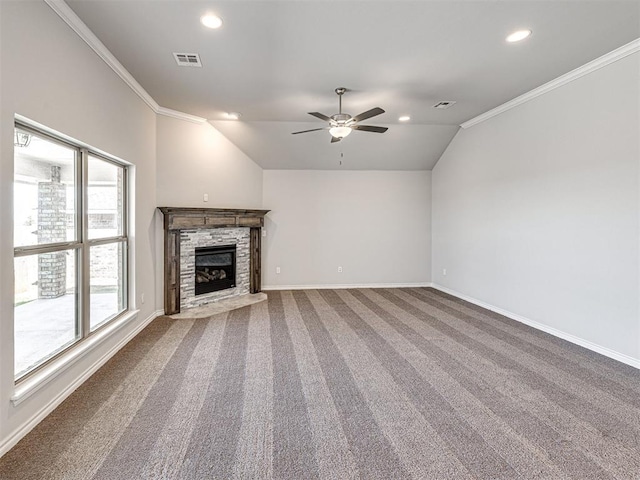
(205, 197)
(277, 269)
(264, 232)
(142, 298)
(444, 272)
(339, 269)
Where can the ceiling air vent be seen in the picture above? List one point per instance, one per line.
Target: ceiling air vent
(187, 59)
(444, 104)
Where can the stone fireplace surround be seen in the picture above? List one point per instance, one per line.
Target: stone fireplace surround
(190, 239)
(188, 228)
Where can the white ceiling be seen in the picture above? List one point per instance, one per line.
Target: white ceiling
(274, 60)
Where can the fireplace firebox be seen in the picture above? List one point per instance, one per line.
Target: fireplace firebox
(215, 268)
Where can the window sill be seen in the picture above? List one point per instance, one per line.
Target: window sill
(24, 389)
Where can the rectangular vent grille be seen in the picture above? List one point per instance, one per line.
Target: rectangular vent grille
(187, 59)
(444, 104)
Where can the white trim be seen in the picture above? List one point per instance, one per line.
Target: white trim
(65, 13)
(342, 286)
(614, 56)
(20, 432)
(607, 352)
(78, 26)
(35, 382)
(54, 133)
(167, 112)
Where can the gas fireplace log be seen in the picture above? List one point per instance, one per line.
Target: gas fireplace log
(201, 278)
(205, 276)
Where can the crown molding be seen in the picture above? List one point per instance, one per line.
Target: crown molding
(78, 26)
(167, 112)
(65, 13)
(603, 61)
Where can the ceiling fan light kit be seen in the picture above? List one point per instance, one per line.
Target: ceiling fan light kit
(339, 132)
(342, 124)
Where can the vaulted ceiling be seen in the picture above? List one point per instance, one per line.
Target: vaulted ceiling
(273, 61)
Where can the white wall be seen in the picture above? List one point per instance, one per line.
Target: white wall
(376, 225)
(535, 211)
(194, 159)
(52, 77)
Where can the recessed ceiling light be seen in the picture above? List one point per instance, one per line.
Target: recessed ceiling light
(233, 115)
(211, 21)
(404, 118)
(519, 35)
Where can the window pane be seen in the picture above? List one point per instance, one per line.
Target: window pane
(105, 197)
(45, 307)
(107, 282)
(44, 190)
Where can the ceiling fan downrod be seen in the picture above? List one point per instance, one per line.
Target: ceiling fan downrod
(340, 91)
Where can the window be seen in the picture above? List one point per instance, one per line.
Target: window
(70, 245)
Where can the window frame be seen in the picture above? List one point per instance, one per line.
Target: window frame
(82, 246)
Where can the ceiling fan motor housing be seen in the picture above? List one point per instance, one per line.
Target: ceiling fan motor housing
(340, 118)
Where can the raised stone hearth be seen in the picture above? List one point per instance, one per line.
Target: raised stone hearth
(220, 306)
(189, 228)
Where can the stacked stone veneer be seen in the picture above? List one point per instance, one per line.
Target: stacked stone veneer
(192, 239)
(52, 228)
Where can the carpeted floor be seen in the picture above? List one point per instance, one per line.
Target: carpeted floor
(342, 384)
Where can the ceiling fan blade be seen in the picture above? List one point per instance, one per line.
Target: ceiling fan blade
(335, 139)
(305, 131)
(321, 116)
(370, 128)
(368, 114)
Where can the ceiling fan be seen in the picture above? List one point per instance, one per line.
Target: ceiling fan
(342, 124)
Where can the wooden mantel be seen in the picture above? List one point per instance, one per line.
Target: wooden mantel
(180, 218)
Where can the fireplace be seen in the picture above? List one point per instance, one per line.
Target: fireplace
(188, 229)
(215, 268)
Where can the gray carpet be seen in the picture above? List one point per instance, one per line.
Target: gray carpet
(344, 384)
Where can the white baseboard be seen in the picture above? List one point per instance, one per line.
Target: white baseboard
(343, 286)
(607, 352)
(13, 438)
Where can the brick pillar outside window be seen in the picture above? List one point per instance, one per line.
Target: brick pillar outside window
(52, 267)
